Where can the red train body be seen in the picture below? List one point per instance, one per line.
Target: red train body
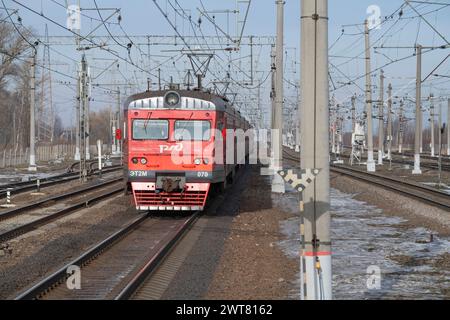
(168, 147)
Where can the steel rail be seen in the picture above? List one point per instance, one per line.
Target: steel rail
(145, 272)
(13, 233)
(15, 211)
(21, 187)
(43, 286)
(420, 192)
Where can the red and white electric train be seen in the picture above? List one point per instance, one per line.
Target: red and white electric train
(167, 147)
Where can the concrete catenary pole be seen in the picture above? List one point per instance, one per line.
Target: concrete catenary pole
(83, 119)
(87, 110)
(370, 161)
(77, 155)
(448, 127)
(119, 143)
(277, 138)
(432, 123)
(314, 147)
(32, 160)
(333, 125)
(381, 120)
(353, 113)
(418, 135)
(389, 122)
(400, 128)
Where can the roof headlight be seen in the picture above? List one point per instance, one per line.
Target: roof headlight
(172, 99)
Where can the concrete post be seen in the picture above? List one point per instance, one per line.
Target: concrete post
(370, 161)
(448, 128)
(77, 155)
(32, 160)
(417, 140)
(389, 122)
(353, 113)
(99, 154)
(119, 145)
(278, 182)
(432, 123)
(400, 128)
(314, 147)
(381, 120)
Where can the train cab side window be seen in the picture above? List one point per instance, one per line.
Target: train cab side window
(150, 129)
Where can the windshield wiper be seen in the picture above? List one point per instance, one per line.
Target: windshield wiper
(147, 121)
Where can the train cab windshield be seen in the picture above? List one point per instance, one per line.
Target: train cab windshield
(150, 129)
(192, 130)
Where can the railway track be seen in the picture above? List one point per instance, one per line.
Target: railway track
(431, 162)
(51, 208)
(116, 267)
(417, 191)
(24, 186)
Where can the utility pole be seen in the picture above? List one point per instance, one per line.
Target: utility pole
(432, 123)
(389, 122)
(77, 156)
(32, 160)
(159, 79)
(83, 119)
(448, 127)
(316, 255)
(118, 143)
(370, 161)
(277, 125)
(333, 126)
(353, 127)
(400, 128)
(353, 113)
(440, 133)
(417, 140)
(381, 120)
(86, 97)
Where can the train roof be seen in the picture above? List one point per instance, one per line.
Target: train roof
(218, 103)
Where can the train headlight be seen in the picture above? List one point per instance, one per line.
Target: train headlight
(172, 99)
(144, 161)
(198, 161)
(206, 161)
(135, 160)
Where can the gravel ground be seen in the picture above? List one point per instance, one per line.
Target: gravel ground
(252, 265)
(428, 176)
(416, 212)
(236, 256)
(27, 197)
(36, 254)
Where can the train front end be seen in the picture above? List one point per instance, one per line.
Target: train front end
(169, 134)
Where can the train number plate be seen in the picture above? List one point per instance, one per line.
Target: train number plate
(138, 173)
(203, 174)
